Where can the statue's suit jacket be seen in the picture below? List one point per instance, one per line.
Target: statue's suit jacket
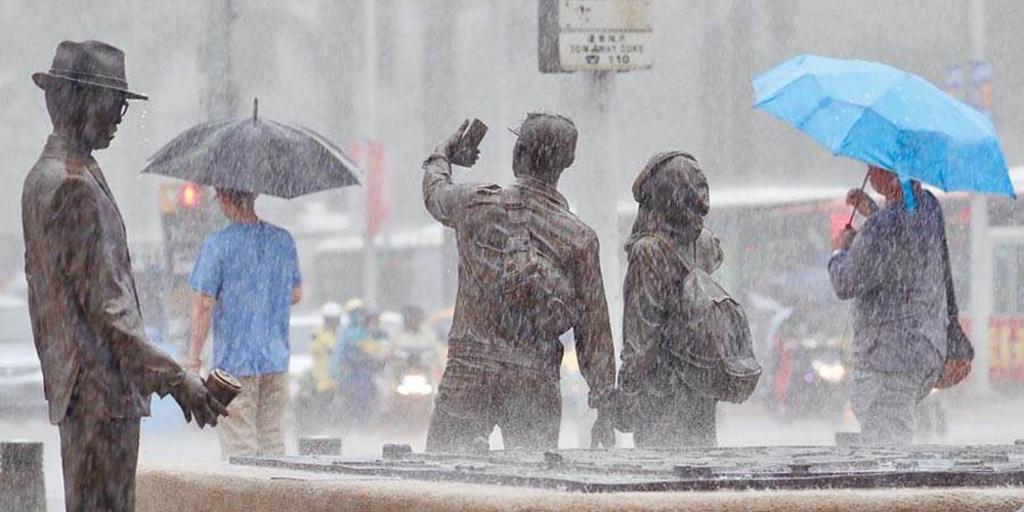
(86, 321)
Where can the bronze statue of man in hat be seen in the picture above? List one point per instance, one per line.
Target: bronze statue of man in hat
(99, 369)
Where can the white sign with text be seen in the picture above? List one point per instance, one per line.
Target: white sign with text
(605, 35)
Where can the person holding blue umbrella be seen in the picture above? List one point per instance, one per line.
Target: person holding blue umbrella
(893, 271)
(907, 338)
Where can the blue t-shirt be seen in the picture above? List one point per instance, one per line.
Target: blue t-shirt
(250, 269)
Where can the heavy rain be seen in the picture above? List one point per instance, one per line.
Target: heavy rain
(416, 254)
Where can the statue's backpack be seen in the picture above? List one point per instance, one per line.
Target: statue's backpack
(538, 298)
(711, 342)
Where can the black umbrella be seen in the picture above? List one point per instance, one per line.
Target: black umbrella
(255, 155)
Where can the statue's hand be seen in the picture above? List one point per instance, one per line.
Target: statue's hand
(452, 150)
(195, 401)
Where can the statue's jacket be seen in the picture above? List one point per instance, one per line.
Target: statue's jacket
(86, 319)
(477, 214)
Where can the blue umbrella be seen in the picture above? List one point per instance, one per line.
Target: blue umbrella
(887, 117)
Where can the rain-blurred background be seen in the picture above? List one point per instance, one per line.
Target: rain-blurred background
(387, 79)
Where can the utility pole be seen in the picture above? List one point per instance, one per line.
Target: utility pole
(370, 134)
(600, 199)
(188, 212)
(981, 244)
(221, 95)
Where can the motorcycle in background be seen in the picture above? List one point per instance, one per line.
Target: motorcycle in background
(413, 376)
(811, 375)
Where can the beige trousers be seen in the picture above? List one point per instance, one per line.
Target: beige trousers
(255, 422)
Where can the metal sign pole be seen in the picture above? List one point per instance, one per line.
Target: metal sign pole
(598, 38)
(981, 247)
(600, 204)
(370, 132)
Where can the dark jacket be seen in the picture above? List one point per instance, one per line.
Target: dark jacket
(475, 212)
(82, 299)
(894, 272)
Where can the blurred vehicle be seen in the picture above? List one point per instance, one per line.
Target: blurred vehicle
(21, 376)
(307, 413)
(440, 322)
(810, 374)
(408, 399)
(301, 328)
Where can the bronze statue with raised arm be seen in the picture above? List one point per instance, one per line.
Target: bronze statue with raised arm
(528, 272)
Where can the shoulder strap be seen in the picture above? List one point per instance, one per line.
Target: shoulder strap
(512, 202)
(951, 307)
(673, 252)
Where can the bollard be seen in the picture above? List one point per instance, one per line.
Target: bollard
(21, 476)
(800, 468)
(319, 445)
(553, 459)
(395, 451)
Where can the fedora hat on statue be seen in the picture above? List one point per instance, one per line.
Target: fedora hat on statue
(88, 63)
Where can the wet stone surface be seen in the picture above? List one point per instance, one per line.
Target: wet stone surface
(625, 470)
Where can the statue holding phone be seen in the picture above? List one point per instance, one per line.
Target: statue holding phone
(528, 273)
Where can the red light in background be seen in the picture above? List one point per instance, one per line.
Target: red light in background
(837, 221)
(189, 196)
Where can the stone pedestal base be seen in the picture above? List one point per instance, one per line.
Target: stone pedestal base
(223, 488)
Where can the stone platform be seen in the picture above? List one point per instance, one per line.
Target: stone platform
(983, 478)
(628, 470)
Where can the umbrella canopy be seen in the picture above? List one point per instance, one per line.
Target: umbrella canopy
(255, 155)
(887, 117)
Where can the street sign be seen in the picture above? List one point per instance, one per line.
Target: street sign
(379, 183)
(595, 35)
(956, 78)
(972, 84)
(981, 90)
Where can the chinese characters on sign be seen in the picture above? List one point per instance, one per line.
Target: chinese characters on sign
(595, 35)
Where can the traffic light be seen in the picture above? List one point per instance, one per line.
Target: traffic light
(190, 196)
(187, 216)
(179, 199)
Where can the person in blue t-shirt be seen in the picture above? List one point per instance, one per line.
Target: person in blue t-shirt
(246, 279)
